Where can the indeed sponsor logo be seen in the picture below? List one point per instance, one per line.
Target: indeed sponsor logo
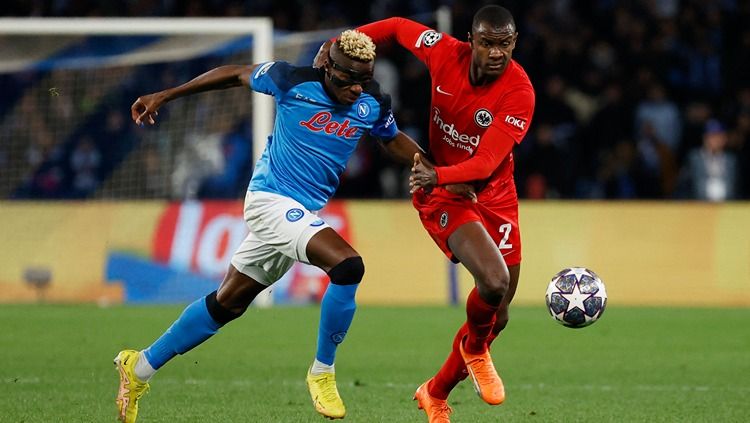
(518, 123)
(449, 130)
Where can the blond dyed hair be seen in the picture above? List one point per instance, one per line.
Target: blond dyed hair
(356, 45)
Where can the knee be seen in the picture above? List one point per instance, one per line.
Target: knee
(494, 283)
(348, 272)
(236, 292)
(221, 313)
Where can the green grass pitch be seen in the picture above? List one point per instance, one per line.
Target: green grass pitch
(635, 365)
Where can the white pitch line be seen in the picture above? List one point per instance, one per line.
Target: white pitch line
(391, 385)
(524, 386)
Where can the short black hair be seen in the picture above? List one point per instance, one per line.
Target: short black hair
(495, 16)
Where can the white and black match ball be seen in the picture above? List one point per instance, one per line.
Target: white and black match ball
(576, 297)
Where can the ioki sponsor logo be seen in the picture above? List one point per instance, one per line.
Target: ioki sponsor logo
(452, 136)
(518, 123)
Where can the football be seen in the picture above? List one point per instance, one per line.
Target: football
(576, 297)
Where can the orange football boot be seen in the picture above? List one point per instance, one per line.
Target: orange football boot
(437, 410)
(484, 377)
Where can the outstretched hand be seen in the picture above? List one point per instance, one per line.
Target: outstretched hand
(146, 108)
(423, 175)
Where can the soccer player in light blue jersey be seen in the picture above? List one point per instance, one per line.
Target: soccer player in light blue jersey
(320, 116)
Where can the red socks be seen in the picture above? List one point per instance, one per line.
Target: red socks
(453, 370)
(480, 318)
(478, 333)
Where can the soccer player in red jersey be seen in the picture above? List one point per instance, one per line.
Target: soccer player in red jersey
(482, 104)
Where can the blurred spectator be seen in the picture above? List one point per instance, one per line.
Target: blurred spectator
(659, 116)
(84, 164)
(658, 168)
(231, 179)
(201, 158)
(696, 114)
(740, 143)
(624, 94)
(712, 170)
(617, 178)
(150, 179)
(554, 110)
(541, 165)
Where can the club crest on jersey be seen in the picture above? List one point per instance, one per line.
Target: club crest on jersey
(444, 219)
(483, 118)
(363, 109)
(294, 215)
(429, 38)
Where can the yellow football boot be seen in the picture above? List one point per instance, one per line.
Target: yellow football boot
(325, 396)
(131, 388)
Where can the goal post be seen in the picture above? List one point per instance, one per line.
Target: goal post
(260, 28)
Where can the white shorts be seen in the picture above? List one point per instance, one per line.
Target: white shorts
(280, 229)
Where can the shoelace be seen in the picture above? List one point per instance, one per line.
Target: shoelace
(441, 408)
(140, 389)
(482, 371)
(329, 388)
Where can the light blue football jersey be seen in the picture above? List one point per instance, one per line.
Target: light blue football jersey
(313, 135)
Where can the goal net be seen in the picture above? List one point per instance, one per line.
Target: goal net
(66, 133)
(65, 126)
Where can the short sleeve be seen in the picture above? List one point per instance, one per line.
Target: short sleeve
(271, 78)
(385, 128)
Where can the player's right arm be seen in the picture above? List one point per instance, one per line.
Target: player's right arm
(415, 37)
(146, 107)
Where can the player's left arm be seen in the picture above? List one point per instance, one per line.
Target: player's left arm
(399, 146)
(403, 149)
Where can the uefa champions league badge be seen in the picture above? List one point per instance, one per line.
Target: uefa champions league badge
(363, 109)
(294, 215)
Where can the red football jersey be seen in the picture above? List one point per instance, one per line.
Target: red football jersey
(460, 112)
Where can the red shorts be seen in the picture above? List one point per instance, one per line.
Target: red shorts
(497, 210)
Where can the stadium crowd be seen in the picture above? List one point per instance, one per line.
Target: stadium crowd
(640, 99)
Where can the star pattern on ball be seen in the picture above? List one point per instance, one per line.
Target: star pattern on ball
(575, 298)
(601, 293)
(578, 271)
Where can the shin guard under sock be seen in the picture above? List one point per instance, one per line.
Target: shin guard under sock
(336, 315)
(480, 317)
(194, 326)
